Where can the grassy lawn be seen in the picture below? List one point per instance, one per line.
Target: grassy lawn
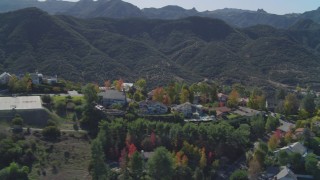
(232, 116)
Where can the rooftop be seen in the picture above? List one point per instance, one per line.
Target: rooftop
(296, 147)
(112, 94)
(20, 102)
(285, 126)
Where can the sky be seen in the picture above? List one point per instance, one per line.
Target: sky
(271, 6)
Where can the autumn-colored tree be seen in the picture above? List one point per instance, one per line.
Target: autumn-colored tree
(203, 159)
(119, 85)
(233, 99)
(158, 94)
(166, 100)
(273, 142)
(184, 161)
(132, 149)
(288, 137)
(254, 169)
(107, 84)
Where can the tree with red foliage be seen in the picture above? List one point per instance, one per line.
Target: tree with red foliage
(132, 149)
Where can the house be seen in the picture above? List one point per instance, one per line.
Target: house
(299, 132)
(111, 97)
(127, 86)
(285, 174)
(152, 107)
(36, 78)
(52, 80)
(185, 109)
(220, 111)
(285, 126)
(296, 147)
(243, 101)
(244, 111)
(4, 78)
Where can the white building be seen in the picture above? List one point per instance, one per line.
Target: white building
(20, 103)
(4, 78)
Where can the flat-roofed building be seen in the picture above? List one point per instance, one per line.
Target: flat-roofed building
(28, 107)
(20, 103)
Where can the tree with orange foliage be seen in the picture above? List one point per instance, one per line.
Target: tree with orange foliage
(119, 85)
(166, 100)
(233, 99)
(107, 84)
(158, 94)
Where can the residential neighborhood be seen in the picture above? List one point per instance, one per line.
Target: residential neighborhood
(279, 139)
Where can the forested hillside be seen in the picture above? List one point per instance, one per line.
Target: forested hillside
(187, 49)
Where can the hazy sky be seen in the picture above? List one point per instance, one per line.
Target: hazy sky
(271, 6)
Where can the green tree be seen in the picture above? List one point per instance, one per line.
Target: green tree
(98, 168)
(311, 165)
(280, 94)
(283, 158)
(257, 125)
(308, 103)
(14, 172)
(271, 124)
(141, 84)
(296, 161)
(184, 96)
(136, 166)
(291, 104)
(17, 120)
(160, 165)
(90, 92)
(239, 175)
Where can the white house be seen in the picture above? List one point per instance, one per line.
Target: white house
(4, 78)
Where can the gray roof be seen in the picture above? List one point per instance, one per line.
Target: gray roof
(112, 94)
(244, 111)
(286, 174)
(285, 126)
(20, 102)
(296, 147)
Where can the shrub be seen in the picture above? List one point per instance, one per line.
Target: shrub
(51, 132)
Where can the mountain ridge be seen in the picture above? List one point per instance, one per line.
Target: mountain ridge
(121, 9)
